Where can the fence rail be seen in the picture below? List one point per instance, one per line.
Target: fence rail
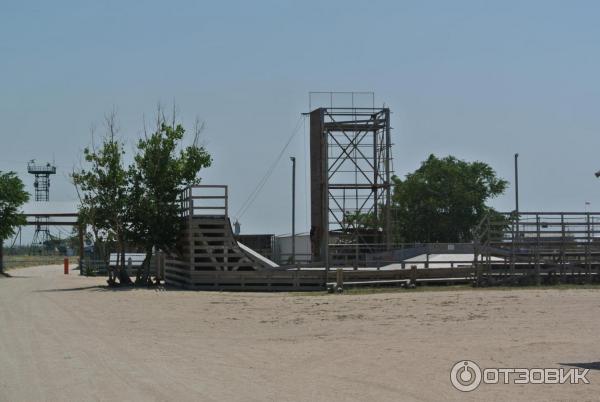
(11, 262)
(96, 267)
(544, 242)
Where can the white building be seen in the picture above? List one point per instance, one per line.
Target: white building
(282, 248)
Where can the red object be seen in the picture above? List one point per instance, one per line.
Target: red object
(66, 266)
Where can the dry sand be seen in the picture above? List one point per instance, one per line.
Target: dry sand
(67, 338)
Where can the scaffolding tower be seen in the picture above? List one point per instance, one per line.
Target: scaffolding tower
(350, 150)
(41, 187)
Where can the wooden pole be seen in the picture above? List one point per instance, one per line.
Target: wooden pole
(413, 275)
(538, 279)
(293, 159)
(339, 279)
(80, 234)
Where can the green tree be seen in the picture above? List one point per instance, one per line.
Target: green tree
(162, 169)
(12, 197)
(103, 191)
(443, 200)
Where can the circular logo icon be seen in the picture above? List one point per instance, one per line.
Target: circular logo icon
(465, 375)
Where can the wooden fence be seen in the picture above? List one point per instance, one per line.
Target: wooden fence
(177, 274)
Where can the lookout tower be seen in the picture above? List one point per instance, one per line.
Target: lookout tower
(41, 187)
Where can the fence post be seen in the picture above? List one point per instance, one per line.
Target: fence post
(80, 230)
(538, 279)
(163, 259)
(339, 279)
(413, 275)
(87, 265)
(588, 265)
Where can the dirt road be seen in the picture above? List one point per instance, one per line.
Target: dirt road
(67, 338)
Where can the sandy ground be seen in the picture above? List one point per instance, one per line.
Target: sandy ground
(67, 338)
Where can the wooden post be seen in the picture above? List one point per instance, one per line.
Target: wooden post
(512, 248)
(66, 266)
(80, 233)
(488, 239)
(339, 279)
(163, 259)
(562, 248)
(413, 275)
(588, 266)
(538, 279)
(190, 228)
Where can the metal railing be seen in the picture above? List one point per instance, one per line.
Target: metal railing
(557, 242)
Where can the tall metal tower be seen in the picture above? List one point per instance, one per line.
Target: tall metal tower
(350, 150)
(41, 187)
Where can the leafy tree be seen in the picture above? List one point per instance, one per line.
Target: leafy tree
(103, 189)
(161, 170)
(443, 200)
(12, 197)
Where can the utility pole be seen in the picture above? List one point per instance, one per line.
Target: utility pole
(515, 233)
(293, 159)
(517, 185)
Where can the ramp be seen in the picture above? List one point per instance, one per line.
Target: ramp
(207, 242)
(211, 246)
(253, 255)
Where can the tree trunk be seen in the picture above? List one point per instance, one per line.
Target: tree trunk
(100, 252)
(123, 262)
(1, 257)
(124, 278)
(120, 271)
(144, 272)
(147, 262)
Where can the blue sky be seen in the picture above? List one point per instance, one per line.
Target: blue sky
(478, 80)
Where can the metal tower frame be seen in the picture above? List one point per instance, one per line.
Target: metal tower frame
(350, 183)
(41, 187)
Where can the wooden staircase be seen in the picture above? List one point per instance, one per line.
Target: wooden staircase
(207, 243)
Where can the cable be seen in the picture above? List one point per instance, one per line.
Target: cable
(252, 196)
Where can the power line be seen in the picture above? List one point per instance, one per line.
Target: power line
(252, 196)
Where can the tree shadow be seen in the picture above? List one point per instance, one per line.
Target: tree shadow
(101, 288)
(589, 365)
(11, 276)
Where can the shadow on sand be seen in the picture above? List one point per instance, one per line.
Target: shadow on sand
(590, 365)
(103, 288)
(11, 276)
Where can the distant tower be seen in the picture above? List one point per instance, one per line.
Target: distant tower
(41, 187)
